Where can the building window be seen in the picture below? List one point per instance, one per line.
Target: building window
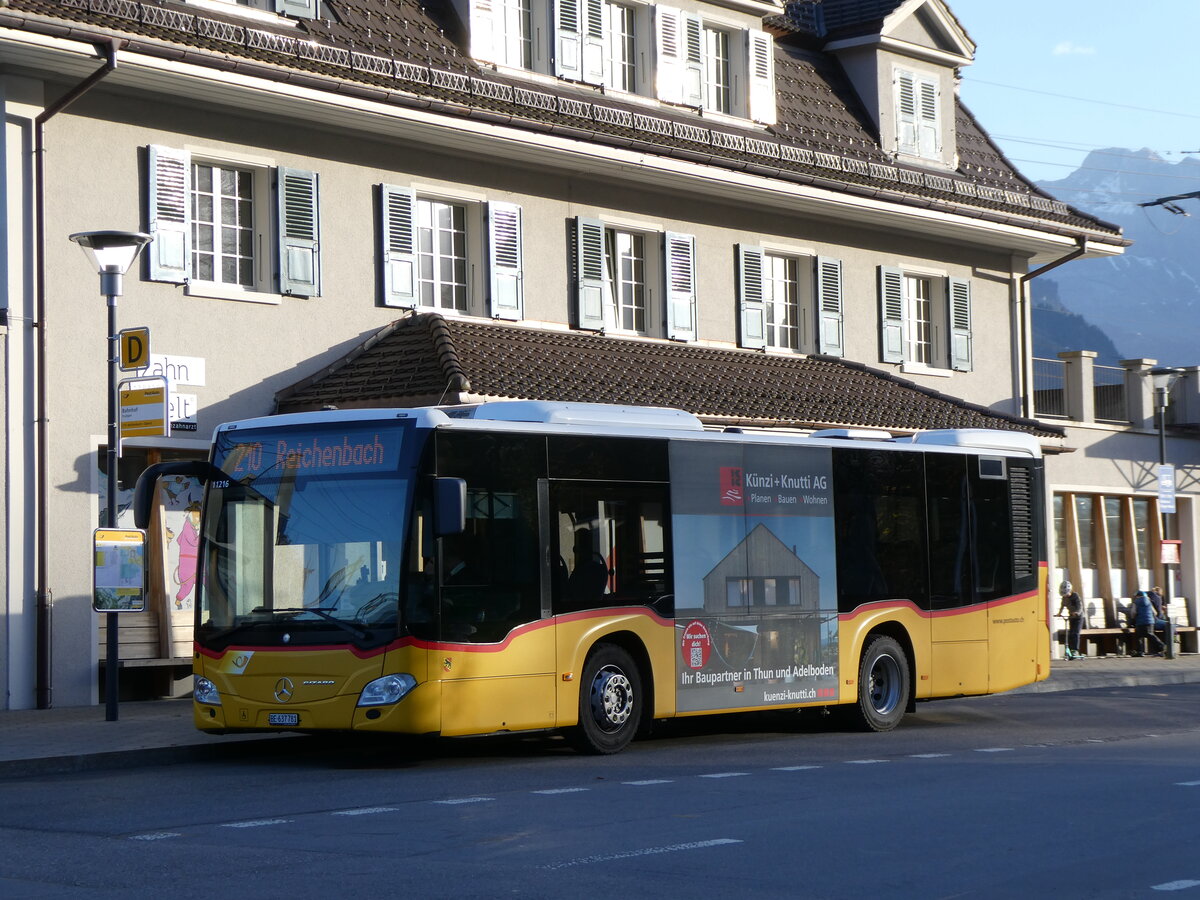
(222, 225)
(1085, 522)
(442, 254)
(918, 122)
(625, 279)
(717, 79)
(1116, 535)
(514, 43)
(621, 73)
(925, 321)
(1060, 534)
(232, 229)
(781, 300)
(1141, 532)
(918, 320)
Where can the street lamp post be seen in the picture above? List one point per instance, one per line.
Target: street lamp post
(1164, 378)
(112, 253)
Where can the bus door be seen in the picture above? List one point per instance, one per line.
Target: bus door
(495, 650)
(958, 613)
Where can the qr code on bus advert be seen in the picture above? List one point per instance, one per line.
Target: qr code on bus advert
(697, 660)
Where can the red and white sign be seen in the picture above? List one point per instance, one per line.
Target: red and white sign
(696, 645)
(732, 493)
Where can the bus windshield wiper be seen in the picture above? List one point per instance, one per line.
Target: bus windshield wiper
(327, 616)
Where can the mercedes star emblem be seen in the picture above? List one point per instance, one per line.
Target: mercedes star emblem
(284, 689)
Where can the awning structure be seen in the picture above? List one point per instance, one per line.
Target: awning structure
(428, 359)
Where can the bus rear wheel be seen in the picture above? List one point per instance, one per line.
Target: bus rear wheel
(610, 702)
(883, 685)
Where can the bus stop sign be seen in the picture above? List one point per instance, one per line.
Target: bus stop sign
(135, 348)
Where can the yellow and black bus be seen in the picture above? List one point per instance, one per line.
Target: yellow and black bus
(521, 566)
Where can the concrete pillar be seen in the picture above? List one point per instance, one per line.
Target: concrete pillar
(1139, 397)
(1077, 382)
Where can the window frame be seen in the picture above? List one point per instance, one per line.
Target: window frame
(949, 303)
(260, 190)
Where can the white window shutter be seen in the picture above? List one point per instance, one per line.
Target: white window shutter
(169, 197)
(929, 137)
(398, 245)
(595, 42)
(299, 232)
(752, 309)
(760, 53)
(693, 61)
(589, 273)
(906, 113)
(891, 314)
(830, 335)
(484, 31)
(298, 9)
(679, 254)
(669, 53)
(505, 260)
(959, 290)
(568, 39)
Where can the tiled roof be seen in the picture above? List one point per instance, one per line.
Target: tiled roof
(406, 52)
(426, 358)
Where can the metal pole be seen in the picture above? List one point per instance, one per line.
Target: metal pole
(110, 284)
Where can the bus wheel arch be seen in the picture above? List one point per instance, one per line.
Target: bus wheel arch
(885, 679)
(615, 693)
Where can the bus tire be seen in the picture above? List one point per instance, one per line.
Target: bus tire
(883, 685)
(610, 702)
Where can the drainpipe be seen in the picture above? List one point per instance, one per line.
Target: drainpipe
(45, 597)
(1026, 351)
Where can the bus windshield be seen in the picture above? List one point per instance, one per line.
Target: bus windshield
(306, 534)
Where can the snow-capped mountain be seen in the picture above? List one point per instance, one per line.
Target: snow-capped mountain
(1148, 300)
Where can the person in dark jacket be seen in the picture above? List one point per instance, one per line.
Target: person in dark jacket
(1073, 604)
(1143, 624)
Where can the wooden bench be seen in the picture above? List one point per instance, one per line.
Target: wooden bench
(1119, 641)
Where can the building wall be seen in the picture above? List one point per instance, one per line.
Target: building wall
(252, 349)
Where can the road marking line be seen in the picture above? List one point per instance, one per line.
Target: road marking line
(366, 811)
(1175, 886)
(649, 781)
(793, 768)
(256, 823)
(864, 762)
(993, 749)
(648, 851)
(725, 775)
(927, 755)
(1187, 783)
(561, 791)
(465, 800)
(157, 836)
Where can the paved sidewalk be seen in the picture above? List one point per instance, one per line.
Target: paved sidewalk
(76, 739)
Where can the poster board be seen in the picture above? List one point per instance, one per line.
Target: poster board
(175, 528)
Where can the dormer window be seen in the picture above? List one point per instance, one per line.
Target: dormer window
(918, 122)
(717, 66)
(297, 9)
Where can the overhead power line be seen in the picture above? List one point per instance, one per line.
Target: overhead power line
(1013, 87)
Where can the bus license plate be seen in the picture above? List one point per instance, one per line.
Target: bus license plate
(283, 718)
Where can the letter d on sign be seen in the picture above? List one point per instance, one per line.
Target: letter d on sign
(135, 348)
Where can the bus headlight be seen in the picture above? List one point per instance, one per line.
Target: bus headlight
(204, 691)
(386, 690)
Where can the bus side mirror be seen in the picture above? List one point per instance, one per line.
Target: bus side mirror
(449, 506)
(143, 494)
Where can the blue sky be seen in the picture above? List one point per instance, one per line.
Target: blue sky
(1054, 79)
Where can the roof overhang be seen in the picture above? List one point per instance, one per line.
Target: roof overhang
(446, 127)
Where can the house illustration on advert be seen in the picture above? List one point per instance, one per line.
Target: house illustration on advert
(759, 573)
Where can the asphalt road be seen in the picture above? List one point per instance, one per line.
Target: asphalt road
(1076, 794)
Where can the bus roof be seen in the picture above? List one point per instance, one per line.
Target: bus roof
(644, 421)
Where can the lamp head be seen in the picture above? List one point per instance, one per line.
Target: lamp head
(1164, 377)
(111, 252)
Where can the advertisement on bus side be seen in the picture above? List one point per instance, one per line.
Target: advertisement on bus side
(755, 575)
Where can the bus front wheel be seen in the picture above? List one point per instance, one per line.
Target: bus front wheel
(883, 685)
(610, 701)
